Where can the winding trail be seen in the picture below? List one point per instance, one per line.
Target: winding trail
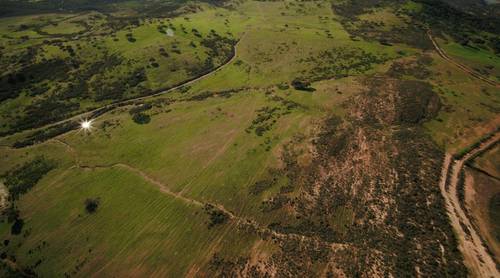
(238, 221)
(476, 257)
(163, 188)
(158, 92)
(463, 67)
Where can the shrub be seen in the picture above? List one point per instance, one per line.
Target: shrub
(17, 227)
(217, 216)
(283, 86)
(140, 108)
(131, 38)
(22, 179)
(141, 118)
(260, 130)
(302, 85)
(261, 186)
(91, 205)
(45, 134)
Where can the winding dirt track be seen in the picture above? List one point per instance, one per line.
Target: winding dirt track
(238, 220)
(463, 67)
(159, 92)
(476, 257)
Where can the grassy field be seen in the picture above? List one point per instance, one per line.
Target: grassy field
(156, 228)
(210, 142)
(479, 59)
(95, 52)
(469, 109)
(199, 149)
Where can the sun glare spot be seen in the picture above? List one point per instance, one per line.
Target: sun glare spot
(86, 125)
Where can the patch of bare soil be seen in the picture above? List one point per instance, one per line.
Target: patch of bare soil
(366, 203)
(4, 194)
(476, 256)
(479, 190)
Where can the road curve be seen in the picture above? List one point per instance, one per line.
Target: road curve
(477, 259)
(159, 92)
(463, 67)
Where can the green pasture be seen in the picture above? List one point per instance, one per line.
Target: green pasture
(469, 107)
(135, 225)
(475, 58)
(199, 143)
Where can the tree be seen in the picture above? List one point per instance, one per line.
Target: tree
(17, 227)
(141, 118)
(302, 85)
(91, 205)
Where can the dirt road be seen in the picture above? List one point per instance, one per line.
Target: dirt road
(477, 259)
(158, 92)
(463, 67)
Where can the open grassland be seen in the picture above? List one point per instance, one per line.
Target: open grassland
(470, 108)
(136, 225)
(202, 146)
(289, 171)
(87, 66)
(479, 59)
(203, 150)
(206, 150)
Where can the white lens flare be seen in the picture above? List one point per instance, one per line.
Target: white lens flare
(86, 125)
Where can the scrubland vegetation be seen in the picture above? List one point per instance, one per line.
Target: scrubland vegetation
(307, 140)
